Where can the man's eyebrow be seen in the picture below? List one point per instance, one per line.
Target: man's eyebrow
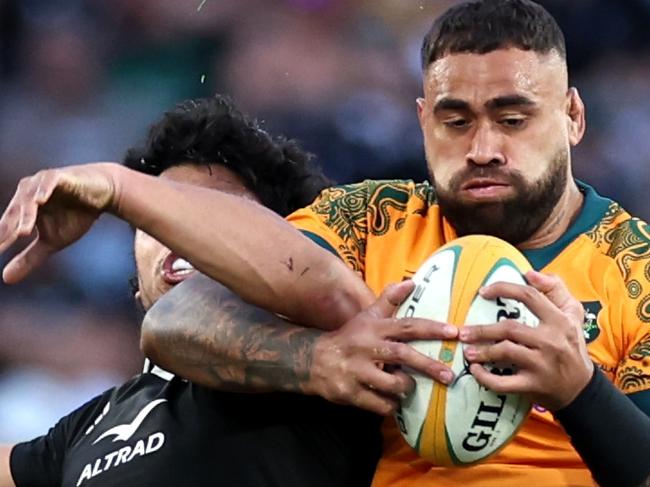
(509, 101)
(450, 104)
(505, 101)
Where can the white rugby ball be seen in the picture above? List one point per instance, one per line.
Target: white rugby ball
(463, 423)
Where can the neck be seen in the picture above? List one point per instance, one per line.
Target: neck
(563, 215)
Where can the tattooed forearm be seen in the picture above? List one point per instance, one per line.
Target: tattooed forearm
(202, 331)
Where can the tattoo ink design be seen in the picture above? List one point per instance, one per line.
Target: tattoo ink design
(211, 336)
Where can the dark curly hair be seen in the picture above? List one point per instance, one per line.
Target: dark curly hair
(483, 26)
(211, 130)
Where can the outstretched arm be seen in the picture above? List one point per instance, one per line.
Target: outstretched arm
(231, 239)
(6, 480)
(202, 331)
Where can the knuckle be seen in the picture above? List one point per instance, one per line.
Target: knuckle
(397, 351)
(506, 324)
(530, 293)
(26, 182)
(505, 350)
(555, 279)
(510, 327)
(385, 408)
(381, 407)
(342, 391)
(353, 343)
(346, 369)
(508, 346)
(355, 401)
(476, 332)
(485, 353)
(394, 383)
(556, 345)
(579, 308)
(389, 409)
(384, 352)
(472, 333)
(406, 325)
(576, 338)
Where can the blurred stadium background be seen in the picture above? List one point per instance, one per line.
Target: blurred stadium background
(80, 80)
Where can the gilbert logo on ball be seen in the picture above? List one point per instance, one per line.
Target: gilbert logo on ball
(463, 423)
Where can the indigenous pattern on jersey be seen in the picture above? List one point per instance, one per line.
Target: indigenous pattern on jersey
(159, 430)
(626, 241)
(386, 229)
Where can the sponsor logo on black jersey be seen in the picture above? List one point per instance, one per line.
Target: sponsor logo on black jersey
(127, 453)
(124, 432)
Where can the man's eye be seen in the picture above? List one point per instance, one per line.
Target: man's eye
(513, 122)
(457, 123)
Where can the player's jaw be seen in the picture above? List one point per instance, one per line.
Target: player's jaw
(494, 201)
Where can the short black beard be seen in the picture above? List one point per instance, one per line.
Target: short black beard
(514, 220)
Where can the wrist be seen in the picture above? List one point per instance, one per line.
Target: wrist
(314, 385)
(117, 176)
(581, 386)
(581, 398)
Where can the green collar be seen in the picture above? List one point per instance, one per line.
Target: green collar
(592, 212)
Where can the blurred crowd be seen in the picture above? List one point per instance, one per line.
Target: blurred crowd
(80, 80)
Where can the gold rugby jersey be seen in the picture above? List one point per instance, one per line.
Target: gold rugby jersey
(386, 229)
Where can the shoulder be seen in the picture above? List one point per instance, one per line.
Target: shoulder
(355, 202)
(400, 191)
(622, 238)
(390, 202)
(626, 241)
(375, 191)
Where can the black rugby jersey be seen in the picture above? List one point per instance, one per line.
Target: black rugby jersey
(157, 432)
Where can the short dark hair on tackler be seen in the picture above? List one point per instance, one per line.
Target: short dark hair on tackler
(483, 26)
(212, 131)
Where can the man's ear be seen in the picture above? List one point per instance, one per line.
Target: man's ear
(134, 286)
(575, 116)
(420, 107)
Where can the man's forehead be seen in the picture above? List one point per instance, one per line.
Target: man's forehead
(497, 73)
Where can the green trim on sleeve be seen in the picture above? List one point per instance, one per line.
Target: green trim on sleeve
(320, 241)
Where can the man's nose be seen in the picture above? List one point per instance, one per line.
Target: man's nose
(486, 148)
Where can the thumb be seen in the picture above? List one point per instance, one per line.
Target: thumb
(26, 261)
(391, 297)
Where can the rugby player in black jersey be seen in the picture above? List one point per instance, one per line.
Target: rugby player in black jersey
(271, 264)
(160, 430)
